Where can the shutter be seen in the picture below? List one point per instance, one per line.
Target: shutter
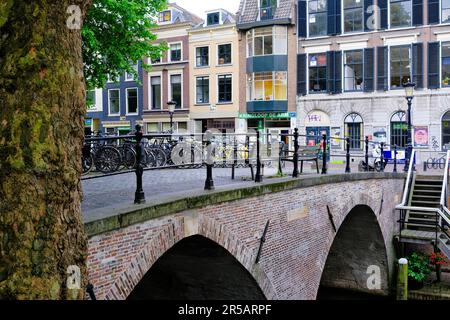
(302, 18)
(301, 74)
(433, 11)
(368, 15)
(433, 65)
(417, 12)
(331, 22)
(338, 17)
(382, 59)
(369, 69)
(338, 72)
(383, 4)
(417, 64)
(330, 71)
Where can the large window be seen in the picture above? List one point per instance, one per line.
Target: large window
(317, 22)
(202, 56)
(132, 101)
(266, 41)
(155, 83)
(225, 88)
(165, 16)
(353, 70)
(202, 90)
(353, 16)
(90, 100)
(399, 130)
(224, 54)
(445, 7)
(213, 18)
(114, 101)
(446, 132)
(175, 52)
(175, 89)
(267, 86)
(445, 64)
(401, 13)
(400, 66)
(354, 130)
(317, 72)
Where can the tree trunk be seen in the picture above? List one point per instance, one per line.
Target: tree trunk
(42, 106)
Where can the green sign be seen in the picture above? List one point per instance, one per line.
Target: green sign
(88, 122)
(267, 115)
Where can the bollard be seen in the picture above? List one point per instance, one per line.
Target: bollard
(382, 156)
(258, 177)
(395, 159)
(209, 183)
(367, 153)
(233, 168)
(402, 280)
(295, 158)
(324, 156)
(347, 157)
(139, 196)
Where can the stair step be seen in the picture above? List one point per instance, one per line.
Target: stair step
(428, 227)
(426, 196)
(427, 186)
(429, 181)
(429, 191)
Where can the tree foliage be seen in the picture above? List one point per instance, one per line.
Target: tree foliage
(116, 35)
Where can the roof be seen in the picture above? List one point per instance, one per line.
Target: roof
(248, 11)
(185, 16)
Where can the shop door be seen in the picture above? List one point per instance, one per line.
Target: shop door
(314, 138)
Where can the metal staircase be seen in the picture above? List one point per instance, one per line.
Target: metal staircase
(424, 213)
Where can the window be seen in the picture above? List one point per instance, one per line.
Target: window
(132, 101)
(401, 13)
(130, 76)
(267, 86)
(90, 100)
(267, 9)
(399, 130)
(317, 10)
(224, 54)
(446, 132)
(445, 64)
(165, 16)
(266, 41)
(353, 15)
(202, 56)
(213, 18)
(202, 90)
(114, 101)
(445, 7)
(155, 83)
(156, 60)
(354, 130)
(175, 52)
(317, 72)
(353, 70)
(225, 88)
(175, 89)
(400, 66)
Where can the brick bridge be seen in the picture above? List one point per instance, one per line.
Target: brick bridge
(322, 231)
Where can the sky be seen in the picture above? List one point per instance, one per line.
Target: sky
(200, 6)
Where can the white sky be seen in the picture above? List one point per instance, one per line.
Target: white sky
(200, 6)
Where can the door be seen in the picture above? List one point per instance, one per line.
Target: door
(314, 138)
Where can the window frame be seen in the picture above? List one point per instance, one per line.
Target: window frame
(401, 136)
(136, 68)
(441, 83)
(207, 57)
(213, 13)
(169, 55)
(225, 75)
(231, 54)
(197, 102)
(109, 103)
(162, 13)
(251, 91)
(355, 143)
(275, 43)
(343, 70)
(128, 113)
(343, 10)
(390, 17)
(308, 14)
(390, 64)
(308, 73)
(175, 73)
(150, 95)
(440, 13)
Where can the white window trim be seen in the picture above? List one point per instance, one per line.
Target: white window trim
(209, 89)
(231, 52)
(342, 31)
(343, 73)
(273, 89)
(128, 113)
(389, 17)
(132, 78)
(109, 103)
(273, 43)
(389, 65)
(161, 23)
(169, 87)
(149, 81)
(209, 57)
(259, 8)
(307, 23)
(169, 56)
(232, 88)
(307, 75)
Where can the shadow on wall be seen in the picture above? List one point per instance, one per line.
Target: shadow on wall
(197, 268)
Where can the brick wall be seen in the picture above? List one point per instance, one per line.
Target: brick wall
(299, 237)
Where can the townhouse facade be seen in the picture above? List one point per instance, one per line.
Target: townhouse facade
(169, 77)
(214, 71)
(354, 57)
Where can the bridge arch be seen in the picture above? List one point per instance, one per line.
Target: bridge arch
(173, 239)
(357, 258)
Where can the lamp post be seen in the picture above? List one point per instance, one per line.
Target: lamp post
(409, 91)
(171, 107)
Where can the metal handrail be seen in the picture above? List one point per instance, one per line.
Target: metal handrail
(408, 181)
(445, 180)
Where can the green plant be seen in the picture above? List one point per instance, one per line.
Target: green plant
(418, 267)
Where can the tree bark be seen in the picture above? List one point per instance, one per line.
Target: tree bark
(42, 107)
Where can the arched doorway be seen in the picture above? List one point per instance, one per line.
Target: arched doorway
(357, 265)
(399, 130)
(354, 130)
(197, 268)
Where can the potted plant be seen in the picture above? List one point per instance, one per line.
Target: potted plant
(438, 260)
(418, 270)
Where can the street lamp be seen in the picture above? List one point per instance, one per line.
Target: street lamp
(409, 92)
(171, 107)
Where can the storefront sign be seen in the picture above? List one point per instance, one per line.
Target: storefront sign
(421, 137)
(267, 115)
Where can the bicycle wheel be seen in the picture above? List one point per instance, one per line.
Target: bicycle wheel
(160, 157)
(87, 164)
(128, 157)
(150, 158)
(108, 160)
